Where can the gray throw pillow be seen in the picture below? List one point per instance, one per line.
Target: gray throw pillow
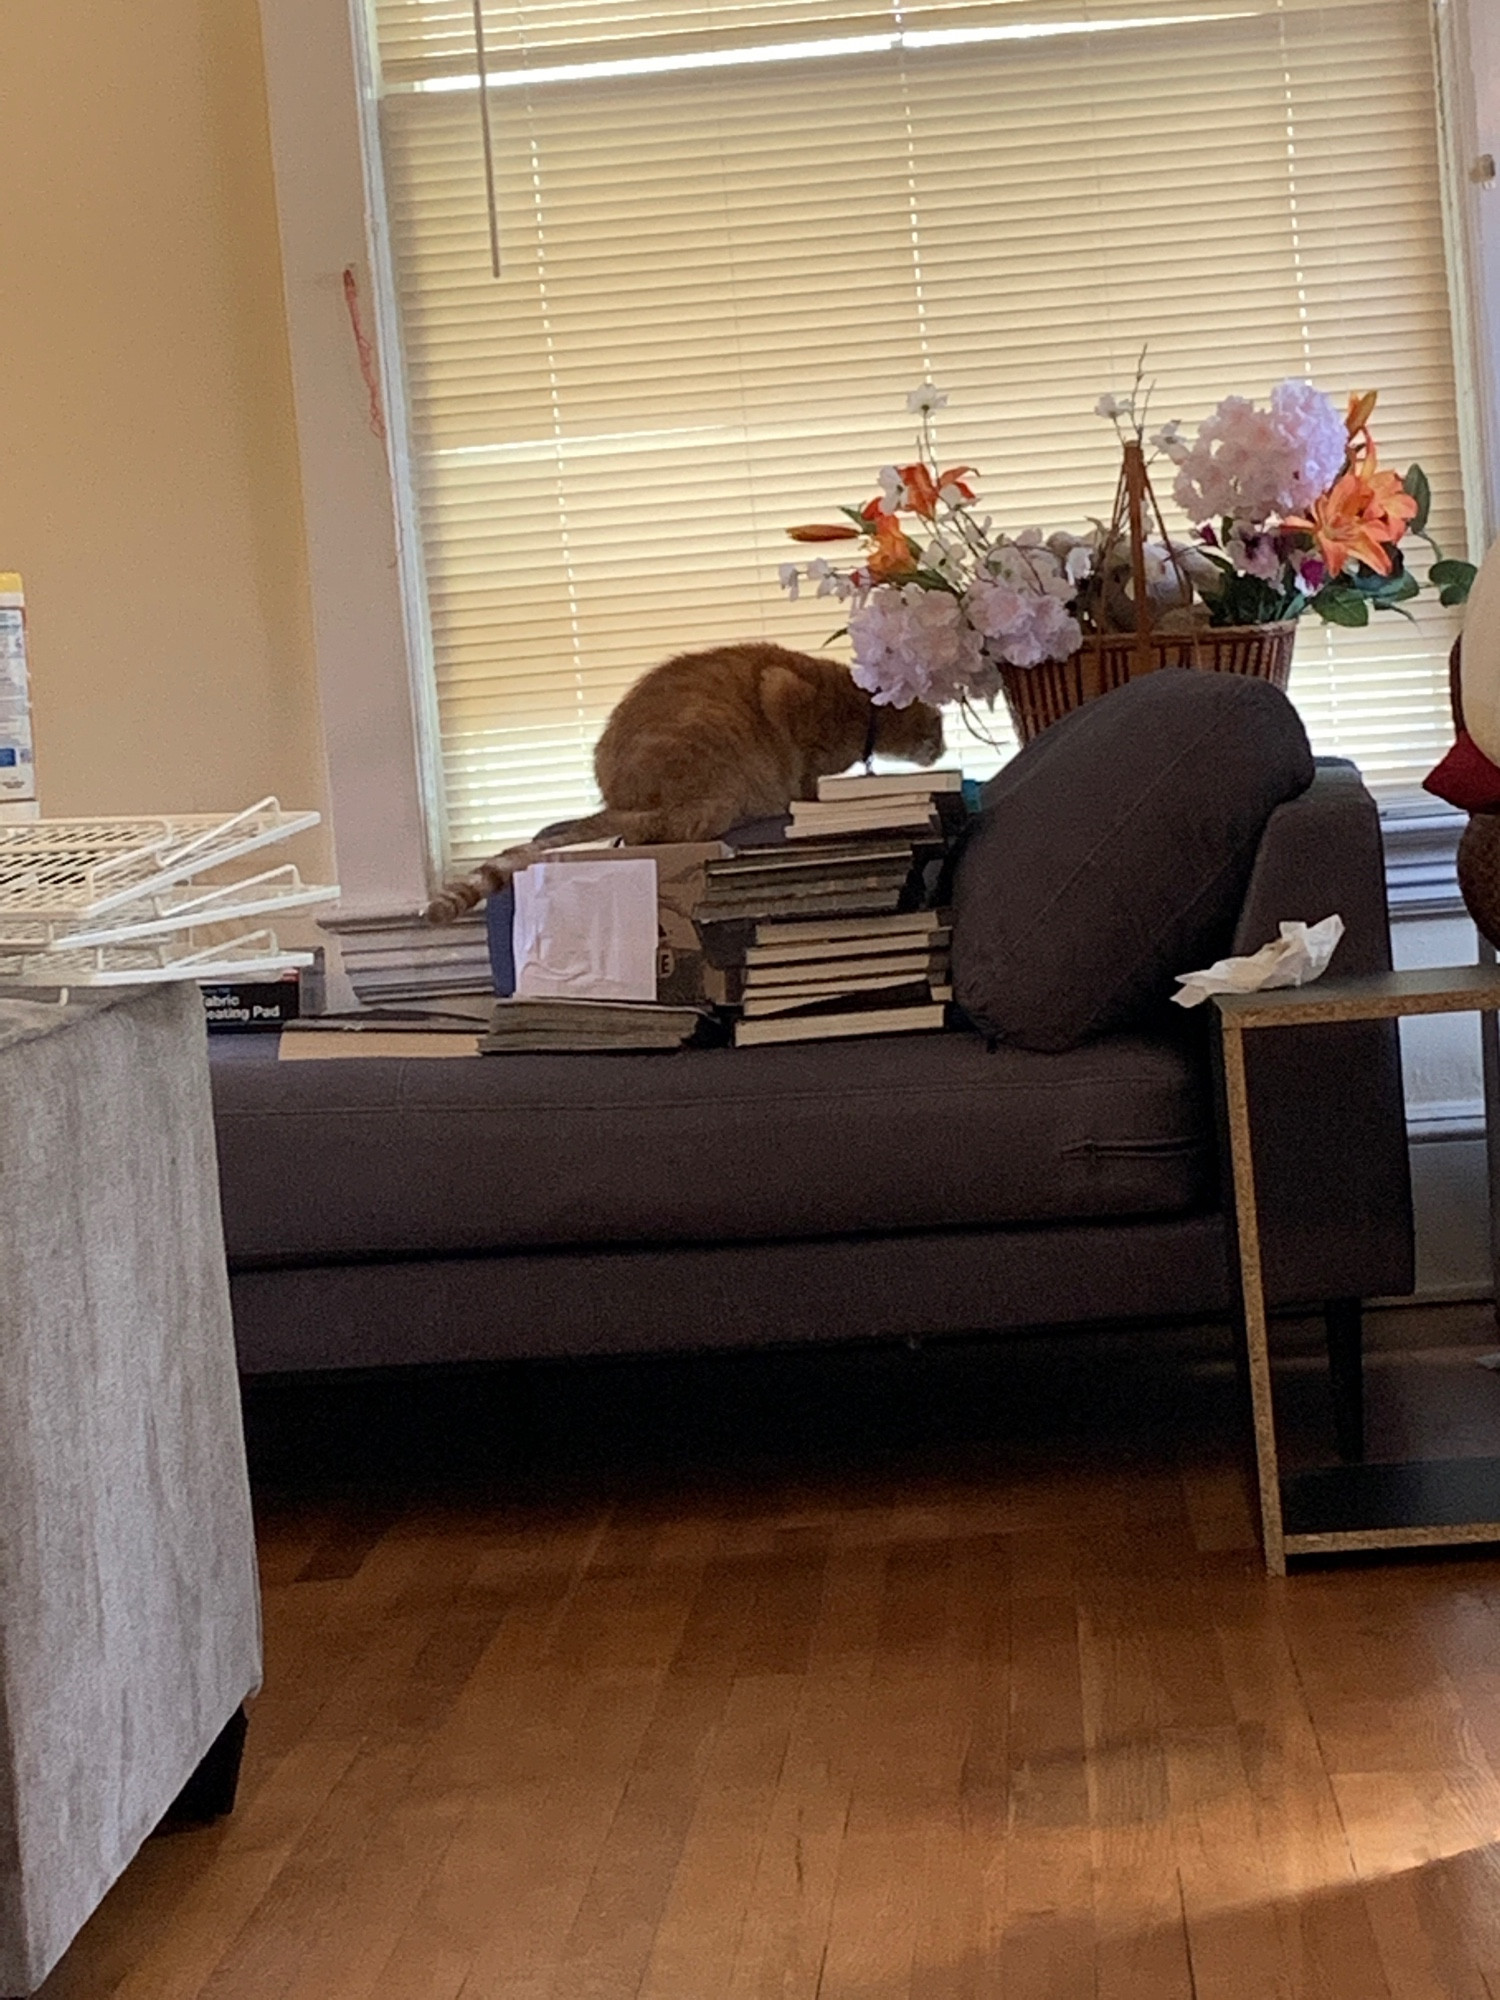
(1113, 852)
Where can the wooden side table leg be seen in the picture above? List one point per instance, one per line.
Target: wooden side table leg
(1252, 1289)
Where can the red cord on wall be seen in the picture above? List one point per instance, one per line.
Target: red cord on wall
(366, 352)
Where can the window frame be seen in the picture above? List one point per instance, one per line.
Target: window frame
(364, 554)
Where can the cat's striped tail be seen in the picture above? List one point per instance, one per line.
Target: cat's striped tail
(454, 899)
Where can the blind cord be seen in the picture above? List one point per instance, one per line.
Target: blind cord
(489, 139)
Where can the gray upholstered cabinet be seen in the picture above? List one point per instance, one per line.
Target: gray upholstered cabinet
(129, 1611)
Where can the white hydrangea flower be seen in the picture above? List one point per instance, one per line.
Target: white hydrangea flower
(1249, 465)
(1316, 440)
(1022, 627)
(912, 644)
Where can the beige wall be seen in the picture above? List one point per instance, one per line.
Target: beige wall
(148, 472)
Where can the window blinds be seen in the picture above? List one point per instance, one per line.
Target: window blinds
(735, 235)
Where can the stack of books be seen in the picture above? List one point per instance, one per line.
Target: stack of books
(448, 1027)
(922, 805)
(519, 1027)
(826, 936)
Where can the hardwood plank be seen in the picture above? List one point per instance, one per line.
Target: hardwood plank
(1142, 1946)
(1220, 1508)
(547, 1784)
(876, 1919)
(177, 1961)
(609, 1943)
(784, 1933)
(962, 1887)
(1014, 1721)
(1047, 1944)
(697, 1935)
(544, 1750)
(1234, 1931)
(1327, 1939)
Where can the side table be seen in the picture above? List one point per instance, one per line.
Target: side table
(1396, 1506)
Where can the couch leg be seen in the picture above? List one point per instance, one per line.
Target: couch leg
(1344, 1323)
(209, 1792)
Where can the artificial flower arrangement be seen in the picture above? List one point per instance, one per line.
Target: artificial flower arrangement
(1291, 508)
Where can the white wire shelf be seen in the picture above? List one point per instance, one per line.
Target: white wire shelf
(147, 964)
(115, 902)
(81, 868)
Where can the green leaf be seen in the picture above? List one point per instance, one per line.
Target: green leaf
(1416, 484)
(1340, 606)
(1454, 580)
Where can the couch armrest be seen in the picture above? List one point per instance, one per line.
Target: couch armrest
(1333, 1179)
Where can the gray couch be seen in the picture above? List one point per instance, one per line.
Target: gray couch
(383, 1212)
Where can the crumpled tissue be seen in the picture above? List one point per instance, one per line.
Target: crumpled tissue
(1298, 956)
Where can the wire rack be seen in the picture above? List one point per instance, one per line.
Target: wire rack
(102, 902)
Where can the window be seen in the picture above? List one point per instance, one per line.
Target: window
(734, 235)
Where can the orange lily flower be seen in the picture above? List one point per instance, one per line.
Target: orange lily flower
(1360, 518)
(921, 490)
(824, 531)
(892, 557)
(1357, 423)
(1339, 528)
(1389, 501)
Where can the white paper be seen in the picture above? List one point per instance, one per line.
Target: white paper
(586, 930)
(1299, 955)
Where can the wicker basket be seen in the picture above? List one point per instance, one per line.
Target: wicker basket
(1037, 696)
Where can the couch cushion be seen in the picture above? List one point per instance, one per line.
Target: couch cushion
(1113, 852)
(342, 1159)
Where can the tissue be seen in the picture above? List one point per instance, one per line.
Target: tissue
(1299, 955)
(586, 930)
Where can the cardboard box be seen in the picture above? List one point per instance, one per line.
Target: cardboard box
(235, 1006)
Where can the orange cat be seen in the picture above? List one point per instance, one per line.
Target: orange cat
(708, 739)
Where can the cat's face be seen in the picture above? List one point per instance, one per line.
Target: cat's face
(914, 734)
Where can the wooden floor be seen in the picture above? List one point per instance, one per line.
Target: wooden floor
(920, 1676)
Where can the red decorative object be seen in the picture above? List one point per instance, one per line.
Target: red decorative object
(1466, 778)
